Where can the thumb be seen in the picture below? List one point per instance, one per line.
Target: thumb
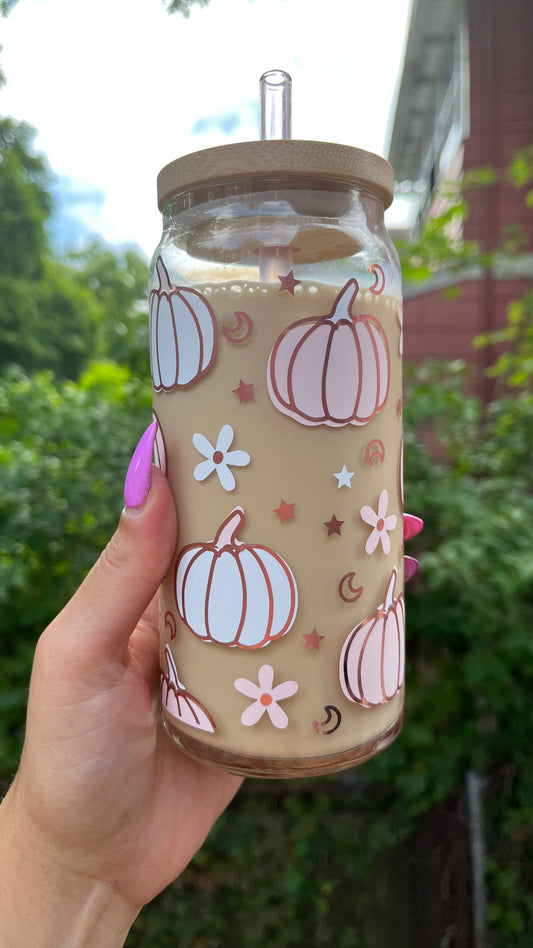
(120, 586)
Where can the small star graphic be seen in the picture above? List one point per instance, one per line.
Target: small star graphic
(245, 391)
(344, 477)
(288, 282)
(313, 640)
(285, 511)
(333, 525)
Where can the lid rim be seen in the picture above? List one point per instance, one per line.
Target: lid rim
(248, 160)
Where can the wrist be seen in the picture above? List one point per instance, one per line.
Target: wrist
(45, 903)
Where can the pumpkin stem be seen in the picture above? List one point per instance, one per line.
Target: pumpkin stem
(227, 532)
(172, 670)
(162, 273)
(342, 307)
(389, 593)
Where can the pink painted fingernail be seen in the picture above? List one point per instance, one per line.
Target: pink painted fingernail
(137, 483)
(411, 526)
(410, 568)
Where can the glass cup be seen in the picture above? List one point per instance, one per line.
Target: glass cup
(276, 361)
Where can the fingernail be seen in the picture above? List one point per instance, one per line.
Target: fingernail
(411, 526)
(410, 568)
(137, 483)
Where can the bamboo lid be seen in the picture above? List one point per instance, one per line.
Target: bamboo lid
(304, 159)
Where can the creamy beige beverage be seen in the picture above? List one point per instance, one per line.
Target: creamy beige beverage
(282, 615)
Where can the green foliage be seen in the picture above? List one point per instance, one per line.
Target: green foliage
(304, 868)
(515, 363)
(6, 6)
(60, 314)
(439, 246)
(64, 451)
(25, 203)
(289, 871)
(117, 281)
(301, 857)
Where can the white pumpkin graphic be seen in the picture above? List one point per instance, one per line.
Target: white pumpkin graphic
(183, 334)
(235, 593)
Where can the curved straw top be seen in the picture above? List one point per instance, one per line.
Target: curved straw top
(287, 158)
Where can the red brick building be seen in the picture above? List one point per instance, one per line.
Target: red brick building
(465, 100)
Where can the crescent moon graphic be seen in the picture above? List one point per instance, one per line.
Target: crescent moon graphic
(236, 335)
(347, 583)
(322, 727)
(375, 450)
(170, 624)
(379, 278)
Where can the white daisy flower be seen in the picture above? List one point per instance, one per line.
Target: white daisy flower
(219, 458)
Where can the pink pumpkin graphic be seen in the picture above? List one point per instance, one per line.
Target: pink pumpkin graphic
(235, 593)
(183, 334)
(179, 703)
(372, 661)
(331, 370)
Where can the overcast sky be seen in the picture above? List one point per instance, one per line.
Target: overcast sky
(117, 88)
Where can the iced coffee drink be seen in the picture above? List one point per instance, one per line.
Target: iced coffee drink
(275, 341)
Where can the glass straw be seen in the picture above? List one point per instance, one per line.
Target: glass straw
(275, 112)
(275, 94)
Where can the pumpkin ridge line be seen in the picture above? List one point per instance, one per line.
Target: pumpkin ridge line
(244, 594)
(347, 647)
(270, 592)
(176, 347)
(375, 620)
(401, 640)
(189, 700)
(382, 657)
(208, 593)
(181, 696)
(183, 610)
(198, 328)
(156, 335)
(272, 384)
(383, 336)
(213, 327)
(399, 636)
(292, 586)
(360, 376)
(323, 396)
(335, 420)
(296, 351)
(151, 332)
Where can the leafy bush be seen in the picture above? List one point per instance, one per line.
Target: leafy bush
(64, 452)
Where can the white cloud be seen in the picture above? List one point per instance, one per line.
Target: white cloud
(117, 88)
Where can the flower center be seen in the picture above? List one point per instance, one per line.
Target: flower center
(218, 457)
(266, 700)
(380, 525)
